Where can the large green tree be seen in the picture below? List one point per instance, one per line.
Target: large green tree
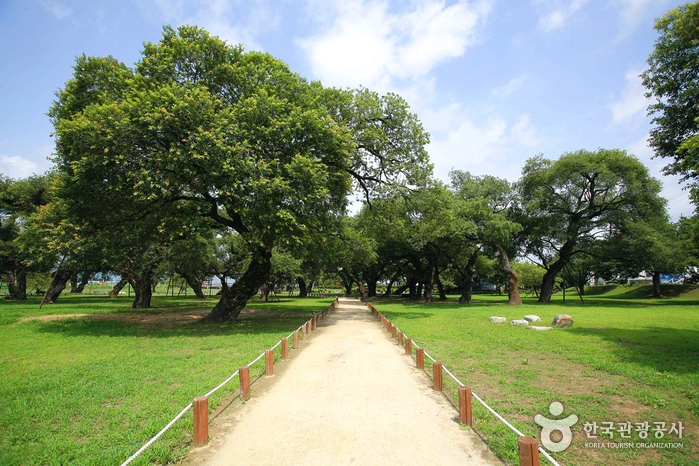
(672, 80)
(202, 126)
(582, 197)
(483, 206)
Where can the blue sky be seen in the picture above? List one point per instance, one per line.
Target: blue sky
(494, 82)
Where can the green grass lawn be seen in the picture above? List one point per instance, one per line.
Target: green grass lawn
(623, 360)
(92, 392)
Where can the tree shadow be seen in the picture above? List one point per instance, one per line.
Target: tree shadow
(664, 349)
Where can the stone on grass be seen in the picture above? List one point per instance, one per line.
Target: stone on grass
(534, 327)
(497, 320)
(532, 318)
(562, 321)
(519, 322)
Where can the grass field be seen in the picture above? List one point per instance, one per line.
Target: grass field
(92, 392)
(626, 359)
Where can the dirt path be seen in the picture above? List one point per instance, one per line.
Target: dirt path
(350, 396)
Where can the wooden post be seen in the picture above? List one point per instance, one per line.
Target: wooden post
(400, 338)
(296, 339)
(303, 332)
(244, 373)
(285, 348)
(409, 346)
(393, 331)
(420, 358)
(465, 415)
(437, 375)
(269, 362)
(528, 451)
(200, 410)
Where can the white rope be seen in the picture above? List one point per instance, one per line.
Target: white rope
(278, 343)
(258, 358)
(223, 383)
(151, 441)
(452, 375)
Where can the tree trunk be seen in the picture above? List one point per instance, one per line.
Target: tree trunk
(467, 279)
(402, 289)
(17, 283)
(387, 294)
(83, 282)
(143, 291)
(564, 255)
(371, 288)
(194, 284)
(656, 285)
(117, 288)
(234, 298)
(309, 287)
(74, 283)
(360, 286)
(303, 291)
(440, 286)
(58, 284)
(510, 277)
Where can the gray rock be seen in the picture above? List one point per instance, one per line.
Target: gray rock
(534, 327)
(532, 318)
(562, 321)
(497, 320)
(519, 322)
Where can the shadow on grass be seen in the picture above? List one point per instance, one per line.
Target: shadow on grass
(661, 348)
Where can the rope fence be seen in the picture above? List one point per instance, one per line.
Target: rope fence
(528, 447)
(200, 404)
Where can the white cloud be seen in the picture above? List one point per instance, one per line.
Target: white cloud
(631, 107)
(631, 14)
(59, 10)
(231, 20)
(557, 18)
(488, 148)
(524, 133)
(368, 44)
(511, 87)
(17, 167)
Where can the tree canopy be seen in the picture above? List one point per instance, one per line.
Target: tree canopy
(203, 129)
(672, 79)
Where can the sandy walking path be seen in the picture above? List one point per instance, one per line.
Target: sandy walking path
(351, 396)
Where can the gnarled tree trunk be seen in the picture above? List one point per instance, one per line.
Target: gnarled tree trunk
(194, 284)
(58, 284)
(656, 285)
(17, 283)
(510, 277)
(467, 279)
(303, 291)
(234, 298)
(117, 288)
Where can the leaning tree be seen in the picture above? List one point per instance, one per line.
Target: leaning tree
(202, 127)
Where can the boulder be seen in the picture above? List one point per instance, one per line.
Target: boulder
(562, 321)
(534, 327)
(497, 320)
(532, 318)
(519, 322)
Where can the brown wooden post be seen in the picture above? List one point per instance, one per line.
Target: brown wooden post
(465, 415)
(269, 362)
(296, 339)
(437, 375)
(244, 373)
(285, 348)
(200, 410)
(528, 451)
(393, 331)
(409, 346)
(400, 338)
(420, 358)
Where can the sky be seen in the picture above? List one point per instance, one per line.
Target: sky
(494, 82)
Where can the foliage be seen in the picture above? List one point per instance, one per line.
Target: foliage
(570, 203)
(672, 79)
